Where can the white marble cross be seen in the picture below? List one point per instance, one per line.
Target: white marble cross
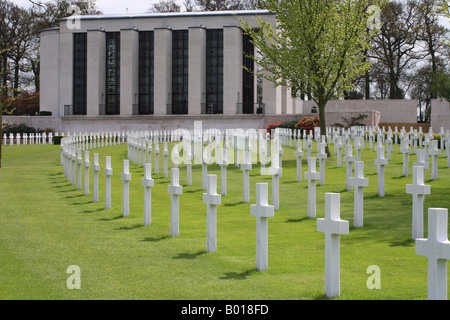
(165, 159)
(299, 154)
(126, 177)
(437, 250)
(312, 176)
(108, 171)
(205, 161)
(246, 167)
(333, 227)
(359, 145)
(276, 172)
(359, 182)
(404, 148)
(308, 146)
(418, 190)
(79, 166)
(175, 190)
(157, 151)
(147, 182)
(262, 211)
(212, 199)
(86, 164)
(348, 159)
(434, 152)
(95, 170)
(421, 159)
(339, 145)
(322, 156)
(380, 162)
(223, 172)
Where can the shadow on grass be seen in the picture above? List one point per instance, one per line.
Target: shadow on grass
(129, 228)
(238, 275)
(75, 196)
(109, 219)
(92, 211)
(189, 256)
(321, 297)
(287, 182)
(399, 177)
(154, 239)
(233, 204)
(192, 191)
(404, 243)
(298, 220)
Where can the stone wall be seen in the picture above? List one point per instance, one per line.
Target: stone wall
(440, 115)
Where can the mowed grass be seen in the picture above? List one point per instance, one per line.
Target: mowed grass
(47, 225)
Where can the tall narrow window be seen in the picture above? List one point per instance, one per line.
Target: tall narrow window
(146, 74)
(79, 73)
(112, 101)
(180, 47)
(248, 78)
(214, 71)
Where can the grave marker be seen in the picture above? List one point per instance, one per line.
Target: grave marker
(434, 152)
(108, 171)
(79, 165)
(418, 190)
(223, 172)
(348, 159)
(126, 177)
(212, 200)
(312, 176)
(299, 154)
(359, 182)
(87, 164)
(333, 227)
(262, 211)
(276, 172)
(174, 189)
(96, 170)
(322, 156)
(421, 159)
(246, 167)
(404, 149)
(380, 162)
(147, 182)
(437, 250)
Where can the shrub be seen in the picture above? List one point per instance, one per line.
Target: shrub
(308, 124)
(18, 128)
(273, 126)
(57, 140)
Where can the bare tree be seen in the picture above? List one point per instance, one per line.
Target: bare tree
(395, 46)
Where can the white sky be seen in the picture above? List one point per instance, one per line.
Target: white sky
(108, 6)
(137, 6)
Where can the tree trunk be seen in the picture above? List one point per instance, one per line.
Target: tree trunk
(323, 128)
(1, 135)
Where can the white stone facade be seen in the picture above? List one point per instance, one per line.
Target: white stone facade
(58, 67)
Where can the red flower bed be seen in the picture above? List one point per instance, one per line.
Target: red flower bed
(308, 124)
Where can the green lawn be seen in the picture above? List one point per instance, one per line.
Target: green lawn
(46, 225)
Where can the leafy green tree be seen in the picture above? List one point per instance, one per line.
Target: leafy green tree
(316, 42)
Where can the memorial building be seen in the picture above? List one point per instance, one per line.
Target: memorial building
(184, 63)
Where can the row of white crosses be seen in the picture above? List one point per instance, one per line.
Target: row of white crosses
(28, 138)
(261, 256)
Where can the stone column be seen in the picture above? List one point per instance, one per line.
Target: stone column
(197, 69)
(163, 70)
(96, 68)
(232, 73)
(49, 71)
(129, 70)
(65, 68)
